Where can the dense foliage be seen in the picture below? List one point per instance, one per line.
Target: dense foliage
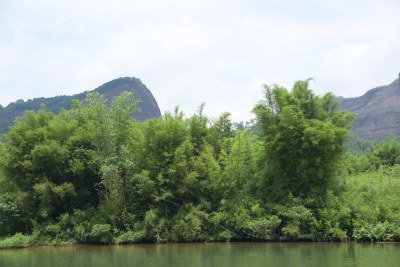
(304, 136)
(92, 174)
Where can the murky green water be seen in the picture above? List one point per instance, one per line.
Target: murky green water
(221, 254)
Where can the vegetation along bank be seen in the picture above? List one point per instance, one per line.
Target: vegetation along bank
(92, 174)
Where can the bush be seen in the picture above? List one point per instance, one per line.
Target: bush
(189, 226)
(375, 232)
(11, 217)
(300, 223)
(130, 237)
(16, 241)
(264, 228)
(101, 233)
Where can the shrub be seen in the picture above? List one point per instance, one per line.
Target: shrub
(130, 237)
(375, 232)
(16, 241)
(101, 233)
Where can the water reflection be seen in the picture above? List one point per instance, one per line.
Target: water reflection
(209, 254)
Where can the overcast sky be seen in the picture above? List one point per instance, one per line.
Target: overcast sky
(187, 52)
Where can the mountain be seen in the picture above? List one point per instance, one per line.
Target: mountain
(148, 105)
(378, 111)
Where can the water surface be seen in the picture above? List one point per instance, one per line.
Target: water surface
(209, 254)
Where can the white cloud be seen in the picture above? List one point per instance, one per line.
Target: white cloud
(189, 52)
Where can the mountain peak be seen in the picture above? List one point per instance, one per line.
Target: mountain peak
(148, 105)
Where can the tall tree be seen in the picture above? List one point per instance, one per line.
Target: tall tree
(303, 135)
(46, 158)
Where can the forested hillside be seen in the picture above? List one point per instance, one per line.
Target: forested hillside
(148, 106)
(93, 174)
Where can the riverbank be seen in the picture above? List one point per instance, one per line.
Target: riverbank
(70, 178)
(29, 241)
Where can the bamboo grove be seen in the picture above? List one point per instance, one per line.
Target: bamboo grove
(92, 174)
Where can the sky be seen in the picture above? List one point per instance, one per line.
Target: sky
(187, 52)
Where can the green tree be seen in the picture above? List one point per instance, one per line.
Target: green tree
(115, 155)
(49, 159)
(388, 151)
(303, 136)
(220, 131)
(238, 162)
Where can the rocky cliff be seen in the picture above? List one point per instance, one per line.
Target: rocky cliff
(378, 111)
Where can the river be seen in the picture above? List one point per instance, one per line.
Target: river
(208, 254)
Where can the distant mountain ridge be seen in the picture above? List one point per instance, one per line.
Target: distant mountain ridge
(148, 105)
(378, 111)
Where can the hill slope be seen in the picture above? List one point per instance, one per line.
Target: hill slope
(149, 107)
(378, 111)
